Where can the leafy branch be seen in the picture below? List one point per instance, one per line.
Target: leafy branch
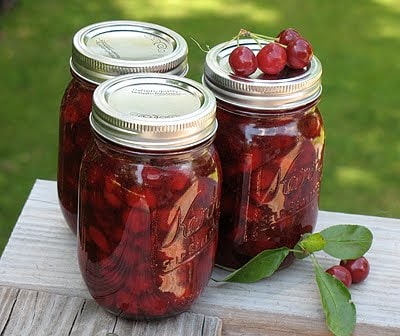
(343, 241)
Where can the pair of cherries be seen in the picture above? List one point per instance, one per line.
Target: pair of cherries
(350, 271)
(289, 49)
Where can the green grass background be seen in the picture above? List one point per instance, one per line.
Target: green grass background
(357, 41)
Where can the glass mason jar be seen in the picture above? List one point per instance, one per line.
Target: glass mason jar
(99, 52)
(271, 142)
(149, 195)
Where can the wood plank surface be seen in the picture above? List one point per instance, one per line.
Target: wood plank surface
(41, 255)
(32, 313)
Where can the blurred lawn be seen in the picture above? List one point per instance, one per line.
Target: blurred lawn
(357, 42)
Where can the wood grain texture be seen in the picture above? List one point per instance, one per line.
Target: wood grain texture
(33, 313)
(41, 255)
(8, 296)
(38, 313)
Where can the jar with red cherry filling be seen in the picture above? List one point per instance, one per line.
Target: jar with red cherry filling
(101, 51)
(271, 143)
(149, 195)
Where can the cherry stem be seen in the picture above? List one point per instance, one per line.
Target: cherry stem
(200, 47)
(296, 251)
(256, 37)
(314, 261)
(264, 37)
(244, 33)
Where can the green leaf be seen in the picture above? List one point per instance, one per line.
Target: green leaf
(309, 243)
(312, 243)
(261, 266)
(298, 252)
(340, 311)
(347, 241)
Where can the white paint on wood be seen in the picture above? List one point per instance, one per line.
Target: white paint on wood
(41, 255)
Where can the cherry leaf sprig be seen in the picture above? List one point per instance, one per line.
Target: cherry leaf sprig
(261, 266)
(340, 311)
(343, 241)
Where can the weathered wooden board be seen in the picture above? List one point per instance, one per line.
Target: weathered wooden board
(34, 313)
(41, 255)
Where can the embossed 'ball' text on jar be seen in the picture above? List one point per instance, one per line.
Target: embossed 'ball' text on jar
(99, 52)
(271, 143)
(149, 195)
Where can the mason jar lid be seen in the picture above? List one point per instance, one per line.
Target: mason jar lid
(108, 49)
(296, 88)
(157, 112)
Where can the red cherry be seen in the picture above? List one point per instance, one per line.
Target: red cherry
(299, 53)
(254, 247)
(310, 125)
(264, 184)
(152, 176)
(82, 135)
(287, 35)
(150, 197)
(134, 198)
(71, 114)
(153, 304)
(136, 220)
(252, 159)
(95, 175)
(125, 302)
(112, 199)
(243, 61)
(178, 180)
(83, 102)
(98, 238)
(272, 58)
(254, 214)
(359, 268)
(341, 273)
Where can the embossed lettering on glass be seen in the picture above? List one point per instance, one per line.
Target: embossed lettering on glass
(99, 52)
(149, 195)
(271, 143)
